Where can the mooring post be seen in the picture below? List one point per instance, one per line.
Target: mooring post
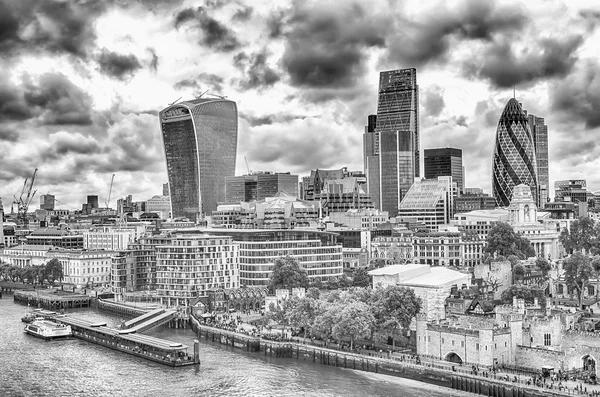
(196, 351)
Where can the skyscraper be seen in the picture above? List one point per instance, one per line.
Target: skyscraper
(539, 133)
(445, 162)
(371, 159)
(47, 202)
(200, 141)
(514, 161)
(397, 134)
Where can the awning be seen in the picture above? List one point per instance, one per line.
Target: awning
(548, 367)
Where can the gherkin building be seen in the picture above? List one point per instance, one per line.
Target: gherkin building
(514, 161)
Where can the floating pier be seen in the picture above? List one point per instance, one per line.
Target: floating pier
(51, 299)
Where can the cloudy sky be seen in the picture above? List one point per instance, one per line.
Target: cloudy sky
(82, 82)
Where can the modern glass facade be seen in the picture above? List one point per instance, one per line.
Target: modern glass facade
(445, 162)
(514, 161)
(397, 127)
(200, 141)
(539, 133)
(430, 201)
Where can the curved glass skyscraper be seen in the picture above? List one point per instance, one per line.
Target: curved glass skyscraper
(200, 141)
(514, 160)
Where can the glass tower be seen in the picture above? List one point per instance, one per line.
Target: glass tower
(398, 136)
(200, 141)
(445, 162)
(514, 161)
(539, 133)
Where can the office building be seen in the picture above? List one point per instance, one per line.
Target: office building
(47, 202)
(2, 244)
(474, 201)
(573, 190)
(397, 130)
(200, 142)
(83, 267)
(259, 185)
(514, 160)
(56, 237)
(160, 205)
(106, 238)
(539, 132)
(430, 201)
(371, 159)
(445, 162)
(191, 265)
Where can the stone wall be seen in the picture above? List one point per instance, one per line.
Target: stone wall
(535, 358)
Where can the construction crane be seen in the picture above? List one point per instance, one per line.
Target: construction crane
(25, 198)
(247, 166)
(110, 191)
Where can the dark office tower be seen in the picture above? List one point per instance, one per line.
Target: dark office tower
(165, 189)
(92, 201)
(514, 161)
(259, 186)
(445, 162)
(539, 133)
(200, 141)
(398, 129)
(47, 202)
(371, 158)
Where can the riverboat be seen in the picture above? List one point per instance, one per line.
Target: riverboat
(48, 330)
(37, 315)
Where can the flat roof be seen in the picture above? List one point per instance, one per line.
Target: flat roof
(438, 276)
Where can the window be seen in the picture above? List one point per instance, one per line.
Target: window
(477, 346)
(547, 339)
(462, 343)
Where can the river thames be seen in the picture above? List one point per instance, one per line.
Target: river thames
(33, 367)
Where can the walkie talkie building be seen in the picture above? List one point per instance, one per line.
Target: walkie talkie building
(200, 141)
(514, 161)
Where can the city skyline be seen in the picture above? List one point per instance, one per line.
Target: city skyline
(81, 103)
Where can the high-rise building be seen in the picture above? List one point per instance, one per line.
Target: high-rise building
(398, 136)
(571, 190)
(514, 161)
(1, 224)
(539, 133)
(165, 189)
(200, 141)
(445, 162)
(260, 185)
(371, 159)
(47, 202)
(92, 201)
(430, 201)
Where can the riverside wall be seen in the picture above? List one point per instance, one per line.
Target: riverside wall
(421, 373)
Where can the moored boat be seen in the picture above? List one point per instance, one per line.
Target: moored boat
(47, 329)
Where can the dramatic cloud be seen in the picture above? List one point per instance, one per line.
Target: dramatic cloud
(214, 34)
(577, 97)
(433, 101)
(327, 45)
(504, 67)
(53, 26)
(418, 42)
(154, 60)
(8, 134)
(57, 100)
(256, 121)
(258, 74)
(119, 66)
(12, 102)
(243, 14)
(202, 82)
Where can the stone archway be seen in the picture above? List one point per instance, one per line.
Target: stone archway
(453, 358)
(588, 363)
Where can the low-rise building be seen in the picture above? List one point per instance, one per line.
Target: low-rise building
(56, 237)
(430, 201)
(108, 238)
(25, 255)
(84, 267)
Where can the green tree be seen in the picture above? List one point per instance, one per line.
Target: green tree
(518, 273)
(327, 318)
(54, 270)
(361, 278)
(526, 292)
(581, 236)
(395, 307)
(502, 240)
(543, 266)
(287, 274)
(377, 263)
(578, 271)
(332, 283)
(303, 312)
(353, 321)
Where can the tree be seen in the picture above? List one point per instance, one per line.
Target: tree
(581, 236)
(287, 274)
(526, 292)
(518, 272)
(303, 313)
(332, 283)
(54, 270)
(353, 321)
(578, 271)
(377, 263)
(543, 266)
(502, 240)
(395, 307)
(361, 278)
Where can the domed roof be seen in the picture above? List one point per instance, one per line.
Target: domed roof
(512, 112)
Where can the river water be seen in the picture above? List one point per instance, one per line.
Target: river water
(33, 367)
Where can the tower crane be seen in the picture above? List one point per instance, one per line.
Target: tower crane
(25, 198)
(247, 166)
(107, 202)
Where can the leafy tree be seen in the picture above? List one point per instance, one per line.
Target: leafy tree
(303, 313)
(327, 318)
(596, 267)
(344, 281)
(54, 270)
(332, 283)
(526, 292)
(361, 278)
(502, 240)
(353, 321)
(581, 236)
(395, 307)
(315, 283)
(544, 266)
(518, 273)
(287, 274)
(578, 271)
(377, 263)
(313, 293)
